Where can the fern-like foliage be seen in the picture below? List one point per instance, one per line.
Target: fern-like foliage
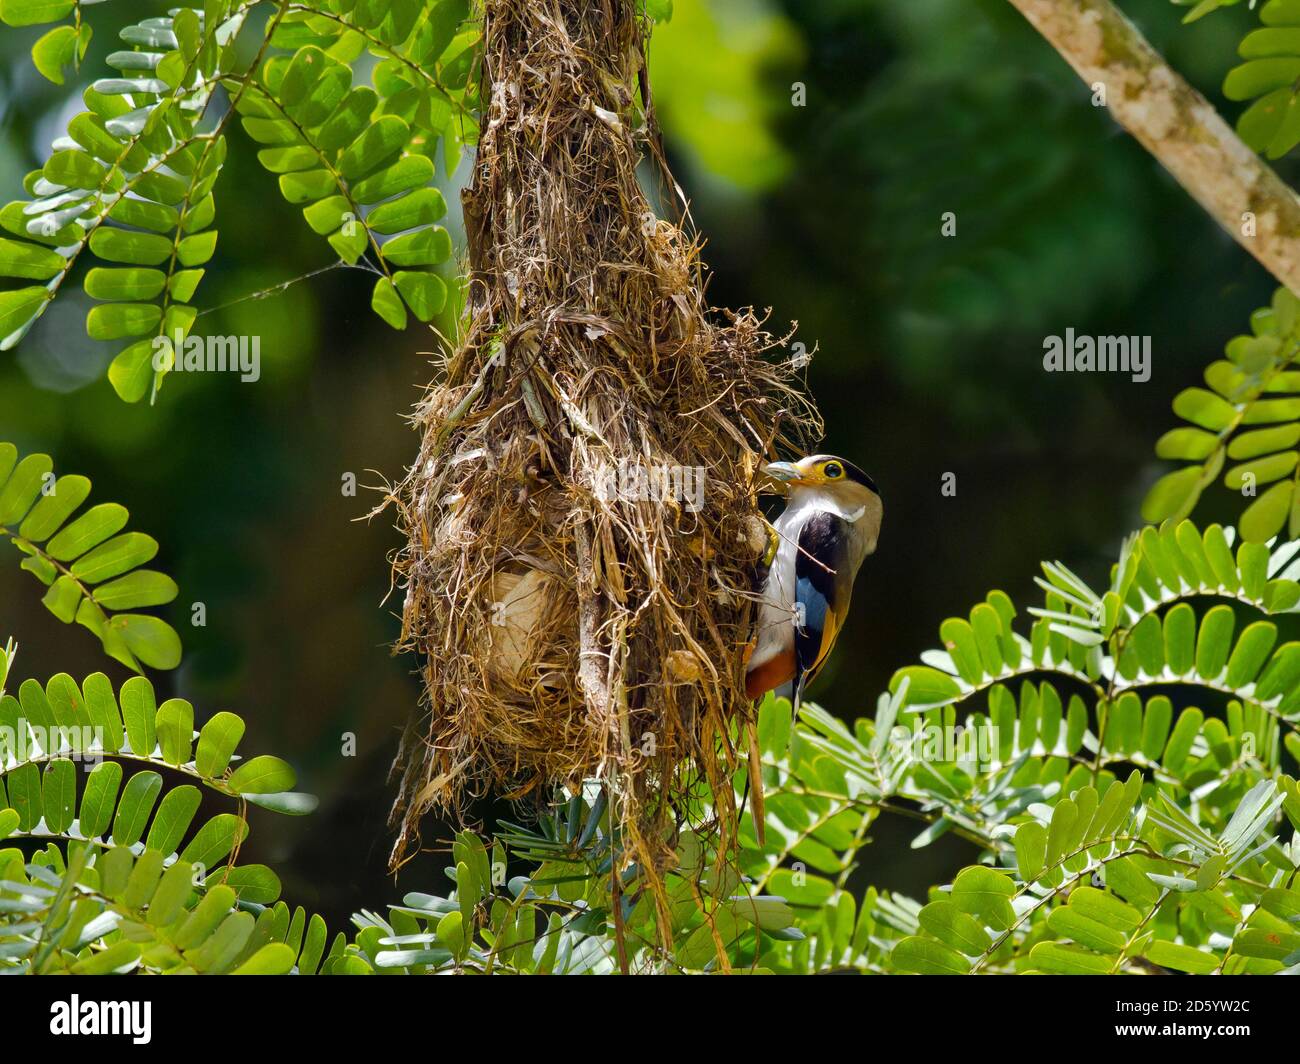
(1249, 416)
(129, 879)
(132, 181)
(1122, 835)
(117, 912)
(360, 160)
(1117, 832)
(1118, 765)
(703, 915)
(1269, 76)
(43, 728)
(92, 569)
(1098, 886)
(1141, 633)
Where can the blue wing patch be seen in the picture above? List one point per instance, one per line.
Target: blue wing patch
(822, 587)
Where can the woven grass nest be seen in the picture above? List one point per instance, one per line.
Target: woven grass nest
(581, 520)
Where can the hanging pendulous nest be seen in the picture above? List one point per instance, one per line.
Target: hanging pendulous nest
(581, 519)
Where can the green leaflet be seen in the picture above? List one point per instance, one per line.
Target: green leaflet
(31, 261)
(215, 840)
(955, 928)
(409, 172)
(217, 742)
(262, 775)
(1057, 772)
(422, 207)
(133, 811)
(19, 308)
(376, 145)
(423, 247)
(385, 302)
(34, 12)
(425, 293)
(1057, 959)
(61, 50)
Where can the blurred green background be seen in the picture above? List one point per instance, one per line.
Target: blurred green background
(928, 362)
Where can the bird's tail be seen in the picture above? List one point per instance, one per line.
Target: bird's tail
(796, 690)
(754, 785)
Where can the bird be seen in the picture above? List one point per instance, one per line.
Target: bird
(830, 524)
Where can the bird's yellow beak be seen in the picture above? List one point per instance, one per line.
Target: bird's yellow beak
(785, 472)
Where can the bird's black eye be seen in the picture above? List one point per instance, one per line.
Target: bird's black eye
(832, 471)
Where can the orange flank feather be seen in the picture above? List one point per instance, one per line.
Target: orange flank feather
(770, 675)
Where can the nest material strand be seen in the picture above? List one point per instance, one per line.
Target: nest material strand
(576, 614)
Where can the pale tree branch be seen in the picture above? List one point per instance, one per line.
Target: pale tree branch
(1177, 125)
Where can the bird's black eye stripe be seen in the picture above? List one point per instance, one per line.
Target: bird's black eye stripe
(833, 470)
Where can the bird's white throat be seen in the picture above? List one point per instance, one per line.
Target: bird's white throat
(802, 500)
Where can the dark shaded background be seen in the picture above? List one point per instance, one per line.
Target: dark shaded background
(929, 361)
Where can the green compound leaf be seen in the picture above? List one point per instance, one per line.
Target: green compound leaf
(1250, 414)
(91, 568)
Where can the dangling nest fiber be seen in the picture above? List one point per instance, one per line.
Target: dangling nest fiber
(576, 613)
